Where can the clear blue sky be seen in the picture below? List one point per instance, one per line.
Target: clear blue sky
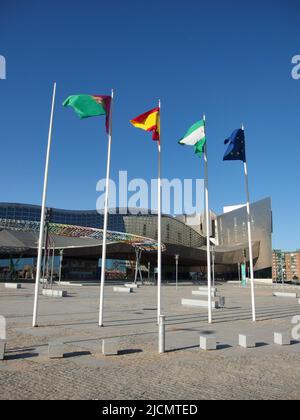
(230, 59)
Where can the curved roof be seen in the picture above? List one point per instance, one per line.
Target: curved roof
(22, 235)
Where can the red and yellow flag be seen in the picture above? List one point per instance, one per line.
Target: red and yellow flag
(149, 121)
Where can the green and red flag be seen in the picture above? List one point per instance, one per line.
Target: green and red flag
(86, 106)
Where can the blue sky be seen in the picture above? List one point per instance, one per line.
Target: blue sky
(230, 59)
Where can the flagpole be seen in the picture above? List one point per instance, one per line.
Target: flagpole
(159, 226)
(104, 242)
(207, 214)
(43, 216)
(250, 239)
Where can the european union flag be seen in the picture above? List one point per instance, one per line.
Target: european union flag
(236, 149)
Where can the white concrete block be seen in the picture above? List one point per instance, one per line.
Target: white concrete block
(246, 341)
(110, 347)
(198, 303)
(203, 293)
(205, 289)
(263, 281)
(56, 350)
(132, 285)
(208, 342)
(54, 293)
(2, 349)
(13, 285)
(282, 339)
(123, 289)
(285, 295)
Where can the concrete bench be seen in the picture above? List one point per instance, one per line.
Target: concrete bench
(198, 303)
(110, 347)
(123, 289)
(285, 295)
(203, 293)
(132, 285)
(2, 349)
(208, 342)
(282, 339)
(13, 285)
(246, 341)
(56, 350)
(205, 289)
(54, 293)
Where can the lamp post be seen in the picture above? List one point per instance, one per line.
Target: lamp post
(61, 256)
(213, 264)
(176, 262)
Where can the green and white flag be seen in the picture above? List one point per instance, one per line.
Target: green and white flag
(195, 136)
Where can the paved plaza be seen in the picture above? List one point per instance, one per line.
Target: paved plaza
(138, 371)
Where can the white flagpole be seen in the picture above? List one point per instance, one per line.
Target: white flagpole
(103, 260)
(250, 240)
(159, 227)
(207, 214)
(43, 216)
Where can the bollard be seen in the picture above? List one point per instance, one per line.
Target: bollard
(110, 347)
(2, 349)
(161, 334)
(56, 350)
(208, 342)
(282, 339)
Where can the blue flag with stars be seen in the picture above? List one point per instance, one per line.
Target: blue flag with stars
(236, 149)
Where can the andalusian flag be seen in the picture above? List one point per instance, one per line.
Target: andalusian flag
(195, 136)
(149, 121)
(87, 106)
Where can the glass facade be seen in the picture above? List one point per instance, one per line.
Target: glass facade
(173, 230)
(179, 236)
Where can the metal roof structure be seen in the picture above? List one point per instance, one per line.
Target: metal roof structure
(21, 235)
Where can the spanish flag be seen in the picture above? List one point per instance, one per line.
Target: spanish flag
(149, 121)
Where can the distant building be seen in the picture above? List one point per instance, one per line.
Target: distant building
(286, 265)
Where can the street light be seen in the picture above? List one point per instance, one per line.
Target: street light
(176, 261)
(213, 263)
(61, 256)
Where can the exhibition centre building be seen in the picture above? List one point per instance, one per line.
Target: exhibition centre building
(75, 237)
